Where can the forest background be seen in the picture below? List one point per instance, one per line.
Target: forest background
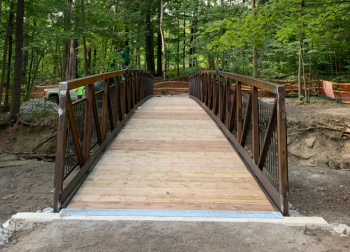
(57, 40)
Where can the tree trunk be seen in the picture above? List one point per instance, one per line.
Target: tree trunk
(159, 55)
(184, 48)
(86, 68)
(255, 51)
(16, 92)
(149, 44)
(300, 70)
(178, 46)
(4, 60)
(163, 40)
(25, 61)
(138, 46)
(7, 92)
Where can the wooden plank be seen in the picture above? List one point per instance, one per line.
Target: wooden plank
(171, 206)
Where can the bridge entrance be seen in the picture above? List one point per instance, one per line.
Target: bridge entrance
(121, 151)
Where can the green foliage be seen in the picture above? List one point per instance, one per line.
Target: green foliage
(217, 36)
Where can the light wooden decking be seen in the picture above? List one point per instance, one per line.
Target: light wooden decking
(171, 155)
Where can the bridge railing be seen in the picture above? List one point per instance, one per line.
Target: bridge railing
(87, 126)
(257, 129)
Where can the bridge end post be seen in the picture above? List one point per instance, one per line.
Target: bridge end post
(282, 150)
(61, 146)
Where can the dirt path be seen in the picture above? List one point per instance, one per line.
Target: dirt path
(173, 236)
(320, 192)
(25, 186)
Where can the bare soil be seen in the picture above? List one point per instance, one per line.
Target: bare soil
(320, 192)
(328, 123)
(173, 236)
(171, 88)
(29, 133)
(25, 186)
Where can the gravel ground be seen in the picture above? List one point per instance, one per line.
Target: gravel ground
(152, 236)
(37, 106)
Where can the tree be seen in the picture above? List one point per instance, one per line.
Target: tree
(16, 92)
(4, 57)
(162, 35)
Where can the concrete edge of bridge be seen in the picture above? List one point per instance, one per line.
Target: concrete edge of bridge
(27, 221)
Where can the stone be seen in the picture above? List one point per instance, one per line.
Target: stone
(8, 197)
(48, 210)
(320, 164)
(6, 157)
(340, 230)
(310, 142)
(331, 165)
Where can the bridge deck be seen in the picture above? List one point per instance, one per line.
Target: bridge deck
(171, 156)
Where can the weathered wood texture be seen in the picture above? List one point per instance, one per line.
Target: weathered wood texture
(171, 155)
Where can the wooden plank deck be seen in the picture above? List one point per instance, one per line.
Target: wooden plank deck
(171, 156)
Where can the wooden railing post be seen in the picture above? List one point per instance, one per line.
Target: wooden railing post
(228, 102)
(104, 109)
(215, 95)
(255, 125)
(220, 95)
(61, 147)
(96, 119)
(282, 150)
(238, 93)
(87, 123)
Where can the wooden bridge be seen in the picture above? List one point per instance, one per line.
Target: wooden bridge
(218, 152)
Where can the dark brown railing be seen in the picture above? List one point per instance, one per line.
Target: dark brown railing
(87, 126)
(256, 128)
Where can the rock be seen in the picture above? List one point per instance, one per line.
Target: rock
(340, 230)
(6, 157)
(310, 142)
(8, 197)
(48, 210)
(320, 164)
(331, 165)
(38, 106)
(3, 235)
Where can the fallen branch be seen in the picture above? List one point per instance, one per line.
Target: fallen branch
(41, 144)
(41, 156)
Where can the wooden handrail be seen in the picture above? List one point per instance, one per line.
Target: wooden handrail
(212, 90)
(75, 145)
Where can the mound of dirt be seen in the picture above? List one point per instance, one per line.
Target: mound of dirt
(29, 133)
(319, 134)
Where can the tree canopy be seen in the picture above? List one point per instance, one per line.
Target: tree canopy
(63, 39)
